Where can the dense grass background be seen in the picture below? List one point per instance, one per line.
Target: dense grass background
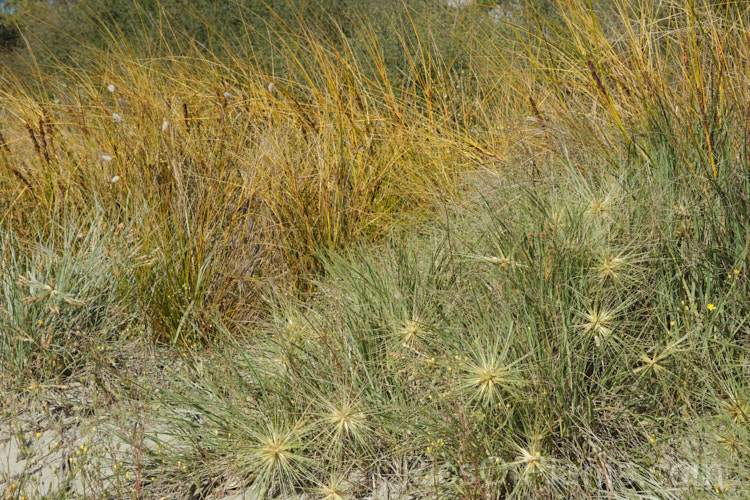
(476, 254)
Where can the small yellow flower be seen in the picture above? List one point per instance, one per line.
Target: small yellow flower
(711, 307)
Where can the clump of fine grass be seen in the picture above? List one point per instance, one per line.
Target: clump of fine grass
(235, 178)
(575, 327)
(60, 297)
(529, 373)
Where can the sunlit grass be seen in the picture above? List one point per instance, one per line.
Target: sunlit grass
(525, 277)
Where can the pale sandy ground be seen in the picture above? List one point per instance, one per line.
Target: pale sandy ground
(73, 457)
(59, 446)
(74, 440)
(54, 444)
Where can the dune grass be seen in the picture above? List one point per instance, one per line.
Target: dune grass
(525, 277)
(233, 179)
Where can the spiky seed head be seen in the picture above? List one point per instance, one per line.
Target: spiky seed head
(275, 458)
(412, 332)
(729, 441)
(610, 267)
(533, 462)
(489, 379)
(335, 488)
(738, 409)
(296, 328)
(598, 320)
(502, 261)
(598, 207)
(275, 450)
(531, 458)
(345, 419)
(650, 365)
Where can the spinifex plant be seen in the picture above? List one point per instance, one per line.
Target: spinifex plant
(520, 273)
